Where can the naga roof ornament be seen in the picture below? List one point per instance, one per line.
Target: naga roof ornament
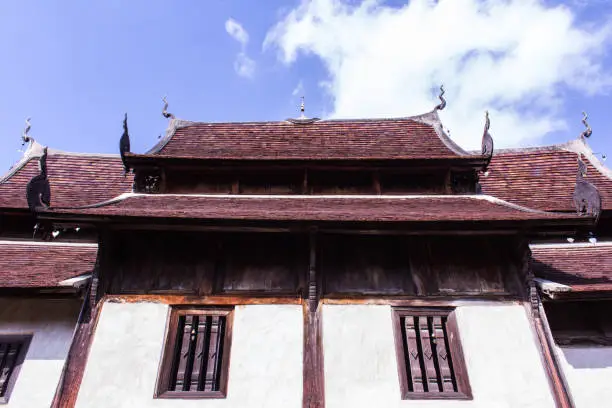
(38, 190)
(588, 131)
(487, 140)
(24, 135)
(587, 199)
(124, 145)
(442, 103)
(165, 112)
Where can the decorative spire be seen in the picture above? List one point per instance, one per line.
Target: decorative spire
(587, 199)
(24, 136)
(38, 190)
(124, 145)
(442, 104)
(303, 119)
(165, 112)
(302, 109)
(487, 140)
(588, 131)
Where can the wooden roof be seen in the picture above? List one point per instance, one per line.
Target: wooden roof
(26, 264)
(76, 179)
(545, 177)
(418, 137)
(432, 208)
(581, 267)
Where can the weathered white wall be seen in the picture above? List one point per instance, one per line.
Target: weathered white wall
(503, 363)
(52, 323)
(265, 365)
(588, 371)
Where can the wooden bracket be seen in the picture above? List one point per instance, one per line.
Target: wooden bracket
(313, 287)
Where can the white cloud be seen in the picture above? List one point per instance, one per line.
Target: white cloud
(299, 89)
(512, 57)
(236, 31)
(243, 65)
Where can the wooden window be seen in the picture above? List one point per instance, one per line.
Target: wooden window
(196, 358)
(13, 349)
(430, 360)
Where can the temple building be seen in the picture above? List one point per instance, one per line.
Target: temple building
(307, 263)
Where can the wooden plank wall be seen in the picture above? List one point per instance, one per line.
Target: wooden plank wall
(190, 263)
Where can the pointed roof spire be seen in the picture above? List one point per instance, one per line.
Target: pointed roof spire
(124, 145)
(487, 140)
(24, 135)
(165, 112)
(442, 103)
(588, 131)
(303, 119)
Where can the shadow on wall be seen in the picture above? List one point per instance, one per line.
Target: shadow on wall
(51, 321)
(588, 357)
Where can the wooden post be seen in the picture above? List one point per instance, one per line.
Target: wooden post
(74, 366)
(313, 392)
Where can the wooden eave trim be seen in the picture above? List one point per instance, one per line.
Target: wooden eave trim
(556, 226)
(460, 162)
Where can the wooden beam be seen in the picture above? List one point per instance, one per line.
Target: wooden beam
(539, 323)
(205, 300)
(74, 367)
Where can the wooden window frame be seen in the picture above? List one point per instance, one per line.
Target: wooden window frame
(459, 368)
(25, 340)
(162, 390)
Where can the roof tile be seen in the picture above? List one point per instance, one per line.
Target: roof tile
(27, 265)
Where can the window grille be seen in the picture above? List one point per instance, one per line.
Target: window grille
(12, 355)
(430, 359)
(196, 356)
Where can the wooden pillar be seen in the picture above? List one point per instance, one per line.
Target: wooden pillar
(74, 366)
(313, 389)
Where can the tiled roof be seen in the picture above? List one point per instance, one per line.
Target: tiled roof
(545, 177)
(319, 208)
(419, 137)
(583, 267)
(75, 179)
(29, 264)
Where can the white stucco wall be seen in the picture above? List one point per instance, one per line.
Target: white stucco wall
(503, 363)
(52, 324)
(588, 371)
(265, 365)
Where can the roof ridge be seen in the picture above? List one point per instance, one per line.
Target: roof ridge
(599, 244)
(45, 243)
(429, 118)
(494, 200)
(34, 151)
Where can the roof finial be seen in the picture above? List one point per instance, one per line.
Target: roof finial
(487, 140)
(588, 131)
(165, 112)
(302, 109)
(124, 145)
(442, 104)
(587, 199)
(24, 136)
(38, 190)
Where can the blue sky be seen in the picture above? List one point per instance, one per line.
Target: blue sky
(75, 67)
